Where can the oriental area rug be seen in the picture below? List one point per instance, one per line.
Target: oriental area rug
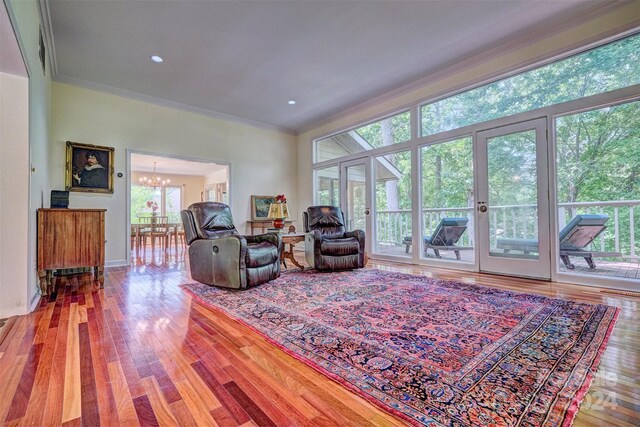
(432, 352)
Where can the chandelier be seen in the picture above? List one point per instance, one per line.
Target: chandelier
(154, 181)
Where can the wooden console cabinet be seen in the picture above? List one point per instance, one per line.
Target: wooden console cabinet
(70, 238)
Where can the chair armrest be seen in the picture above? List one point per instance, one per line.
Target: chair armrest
(274, 238)
(312, 241)
(219, 262)
(316, 237)
(359, 235)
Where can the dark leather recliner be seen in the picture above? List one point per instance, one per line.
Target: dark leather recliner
(220, 256)
(328, 246)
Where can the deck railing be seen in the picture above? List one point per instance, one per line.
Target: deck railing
(520, 221)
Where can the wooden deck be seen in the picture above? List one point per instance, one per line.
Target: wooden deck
(604, 266)
(142, 352)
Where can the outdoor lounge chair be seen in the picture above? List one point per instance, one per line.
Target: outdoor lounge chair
(444, 237)
(574, 237)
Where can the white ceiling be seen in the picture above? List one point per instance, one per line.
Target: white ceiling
(168, 165)
(247, 58)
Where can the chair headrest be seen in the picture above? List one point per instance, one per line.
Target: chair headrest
(212, 219)
(449, 230)
(583, 220)
(325, 216)
(329, 220)
(452, 222)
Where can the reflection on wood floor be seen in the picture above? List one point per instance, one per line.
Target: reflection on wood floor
(143, 352)
(159, 256)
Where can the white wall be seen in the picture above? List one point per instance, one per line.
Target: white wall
(14, 194)
(25, 18)
(474, 70)
(217, 177)
(263, 161)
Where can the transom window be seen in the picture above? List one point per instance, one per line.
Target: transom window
(606, 68)
(392, 130)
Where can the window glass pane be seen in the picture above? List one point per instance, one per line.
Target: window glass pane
(393, 203)
(392, 130)
(173, 197)
(447, 193)
(328, 186)
(142, 201)
(603, 69)
(389, 131)
(354, 214)
(513, 195)
(598, 168)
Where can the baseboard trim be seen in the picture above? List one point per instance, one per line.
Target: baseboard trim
(35, 301)
(117, 263)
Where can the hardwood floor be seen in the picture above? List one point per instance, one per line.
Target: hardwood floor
(142, 352)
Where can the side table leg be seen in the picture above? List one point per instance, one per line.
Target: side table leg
(289, 255)
(42, 278)
(98, 272)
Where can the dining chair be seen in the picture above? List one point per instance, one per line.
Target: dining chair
(158, 229)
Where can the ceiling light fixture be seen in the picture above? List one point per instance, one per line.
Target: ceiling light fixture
(157, 59)
(291, 102)
(155, 181)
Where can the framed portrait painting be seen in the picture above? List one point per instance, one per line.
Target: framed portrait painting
(260, 206)
(89, 168)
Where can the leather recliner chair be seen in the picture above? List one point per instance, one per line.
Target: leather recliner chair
(220, 256)
(328, 246)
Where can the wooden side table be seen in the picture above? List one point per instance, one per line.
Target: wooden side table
(263, 224)
(70, 238)
(291, 239)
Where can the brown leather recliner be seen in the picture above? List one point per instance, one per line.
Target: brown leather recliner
(328, 246)
(220, 256)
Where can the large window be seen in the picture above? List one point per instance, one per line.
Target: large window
(600, 70)
(172, 201)
(597, 166)
(392, 130)
(393, 202)
(167, 200)
(328, 186)
(447, 193)
(598, 174)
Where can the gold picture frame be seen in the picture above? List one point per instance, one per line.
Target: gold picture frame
(89, 168)
(260, 206)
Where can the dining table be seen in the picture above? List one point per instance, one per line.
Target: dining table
(173, 227)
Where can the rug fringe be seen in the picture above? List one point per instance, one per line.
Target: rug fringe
(617, 292)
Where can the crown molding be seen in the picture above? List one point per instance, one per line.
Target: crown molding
(45, 19)
(74, 81)
(515, 43)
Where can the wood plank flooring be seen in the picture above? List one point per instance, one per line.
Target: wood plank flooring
(142, 352)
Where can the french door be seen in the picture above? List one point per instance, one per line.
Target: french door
(355, 195)
(512, 208)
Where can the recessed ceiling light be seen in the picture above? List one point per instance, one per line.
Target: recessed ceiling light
(156, 58)
(291, 102)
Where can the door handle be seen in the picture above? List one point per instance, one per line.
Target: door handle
(482, 208)
(366, 211)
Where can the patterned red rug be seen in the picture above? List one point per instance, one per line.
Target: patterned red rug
(431, 351)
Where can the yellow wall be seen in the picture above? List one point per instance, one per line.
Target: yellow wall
(478, 69)
(263, 161)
